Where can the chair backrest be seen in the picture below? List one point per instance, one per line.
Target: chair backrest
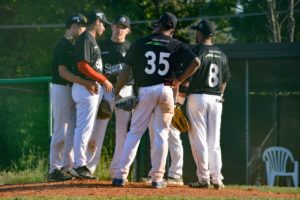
(277, 158)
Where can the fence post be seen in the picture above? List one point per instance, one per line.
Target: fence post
(247, 118)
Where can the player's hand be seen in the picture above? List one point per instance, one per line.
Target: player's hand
(107, 85)
(172, 82)
(92, 87)
(176, 83)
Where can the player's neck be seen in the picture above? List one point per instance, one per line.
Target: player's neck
(92, 32)
(117, 40)
(207, 41)
(166, 32)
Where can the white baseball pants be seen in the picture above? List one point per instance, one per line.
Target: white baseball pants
(96, 142)
(204, 114)
(157, 99)
(86, 110)
(64, 116)
(175, 148)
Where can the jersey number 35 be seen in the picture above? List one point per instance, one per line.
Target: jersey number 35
(151, 58)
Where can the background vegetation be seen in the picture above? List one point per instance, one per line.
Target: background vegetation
(26, 45)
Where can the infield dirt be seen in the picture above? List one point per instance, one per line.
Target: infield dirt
(105, 189)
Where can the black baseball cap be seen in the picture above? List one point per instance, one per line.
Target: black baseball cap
(97, 14)
(206, 27)
(122, 19)
(167, 19)
(76, 18)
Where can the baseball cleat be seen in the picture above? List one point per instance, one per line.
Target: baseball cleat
(174, 181)
(159, 185)
(118, 182)
(146, 180)
(59, 175)
(82, 172)
(199, 184)
(218, 185)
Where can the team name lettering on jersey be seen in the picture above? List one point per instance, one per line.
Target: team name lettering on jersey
(113, 69)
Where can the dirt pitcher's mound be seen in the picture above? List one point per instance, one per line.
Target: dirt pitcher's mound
(105, 189)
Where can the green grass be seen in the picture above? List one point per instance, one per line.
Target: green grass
(29, 174)
(288, 190)
(38, 172)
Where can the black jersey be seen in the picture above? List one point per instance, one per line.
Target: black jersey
(113, 54)
(214, 71)
(87, 49)
(63, 55)
(155, 57)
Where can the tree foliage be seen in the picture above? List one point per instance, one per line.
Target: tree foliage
(28, 51)
(259, 28)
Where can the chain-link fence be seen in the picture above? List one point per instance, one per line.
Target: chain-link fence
(24, 123)
(26, 127)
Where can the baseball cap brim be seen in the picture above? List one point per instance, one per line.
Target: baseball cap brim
(124, 24)
(105, 21)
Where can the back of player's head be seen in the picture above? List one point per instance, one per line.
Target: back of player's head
(206, 27)
(167, 20)
(97, 14)
(75, 18)
(122, 19)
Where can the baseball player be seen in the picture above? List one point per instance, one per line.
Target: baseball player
(63, 105)
(174, 142)
(204, 107)
(89, 67)
(152, 60)
(112, 52)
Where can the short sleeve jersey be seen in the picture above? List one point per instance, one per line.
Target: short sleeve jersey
(113, 55)
(155, 58)
(87, 49)
(63, 55)
(213, 72)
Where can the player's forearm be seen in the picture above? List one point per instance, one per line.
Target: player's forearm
(223, 87)
(87, 70)
(175, 93)
(192, 68)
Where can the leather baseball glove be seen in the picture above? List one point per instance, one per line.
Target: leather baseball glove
(179, 120)
(104, 110)
(127, 103)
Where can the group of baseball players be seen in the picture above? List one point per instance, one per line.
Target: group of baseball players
(160, 71)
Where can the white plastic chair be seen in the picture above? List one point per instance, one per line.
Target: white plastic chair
(276, 159)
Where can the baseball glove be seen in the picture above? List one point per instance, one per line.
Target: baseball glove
(179, 120)
(104, 110)
(127, 103)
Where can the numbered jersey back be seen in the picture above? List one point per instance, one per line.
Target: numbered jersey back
(214, 70)
(155, 58)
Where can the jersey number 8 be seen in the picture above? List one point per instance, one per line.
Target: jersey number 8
(151, 58)
(213, 79)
